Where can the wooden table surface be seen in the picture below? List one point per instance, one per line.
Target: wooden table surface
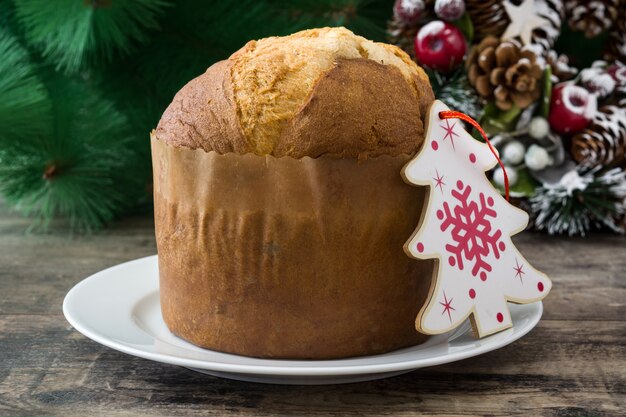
(573, 363)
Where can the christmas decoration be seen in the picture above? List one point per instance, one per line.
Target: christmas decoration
(523, 20)
(580, 200)
(521, 80)
(132, 58)
(467, 226)
(604, 142)
(616, 43)
(618, 72)
(597, 80)
(409, 11)
(591, 17)
(440, 46)
(449, 9)
(505, 72)
(498, 176)
(537, 158)
(559, 67)
(488, 17)
(546, 36)
(514, 152)
(538, 128)
(572, 108)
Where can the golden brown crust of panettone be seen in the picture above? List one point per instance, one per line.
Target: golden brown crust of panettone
(202, 114)
(317, 92)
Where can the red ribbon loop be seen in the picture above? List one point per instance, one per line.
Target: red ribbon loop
(450, 114)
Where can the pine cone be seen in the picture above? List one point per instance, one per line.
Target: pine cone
(488, 17)
(616, 43)
(559, 64)
(591, 17)
(553, 11)
(604, 142)
(504, 72)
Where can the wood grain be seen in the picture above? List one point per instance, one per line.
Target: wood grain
(573, 363)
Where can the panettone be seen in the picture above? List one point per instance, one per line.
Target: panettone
(279, 206)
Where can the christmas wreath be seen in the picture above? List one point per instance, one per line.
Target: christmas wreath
(547, 81)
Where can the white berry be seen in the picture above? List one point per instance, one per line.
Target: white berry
(537, 158)
(498, 176)
(513, 152)
(449, 9)
(538, 128)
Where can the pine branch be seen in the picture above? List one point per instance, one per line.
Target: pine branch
(455, 91)
(581, 201)
(25, 106)
(84, 170)
(73, 33)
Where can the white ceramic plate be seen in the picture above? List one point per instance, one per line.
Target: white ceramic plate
(119, 308)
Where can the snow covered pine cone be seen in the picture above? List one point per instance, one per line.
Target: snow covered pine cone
(603, 143)
(591, 17)
(616, 43)
(559, 64)
(490, 18)
(505, 72)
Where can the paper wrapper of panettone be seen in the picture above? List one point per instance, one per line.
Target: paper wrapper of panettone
(280, 227)
(284, 257)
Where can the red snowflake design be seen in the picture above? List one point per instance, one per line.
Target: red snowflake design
(472, 230)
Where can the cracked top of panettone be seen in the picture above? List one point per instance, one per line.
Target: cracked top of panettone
(316, 92)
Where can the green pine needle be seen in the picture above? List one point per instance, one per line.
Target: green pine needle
(581, 201)
(24, 104)
(454, 90)
(84, 171)
(71, 32)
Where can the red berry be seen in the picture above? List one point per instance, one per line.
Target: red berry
(408, 12)
(571, 108)
(449, 9)
(440, 46)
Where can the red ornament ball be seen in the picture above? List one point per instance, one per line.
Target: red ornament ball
(449, 9)
(571, 108)
(408, 12)
(440, 46)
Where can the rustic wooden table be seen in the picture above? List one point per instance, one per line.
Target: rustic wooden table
(573, 363)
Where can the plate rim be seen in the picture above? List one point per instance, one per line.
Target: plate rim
(254, 369)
